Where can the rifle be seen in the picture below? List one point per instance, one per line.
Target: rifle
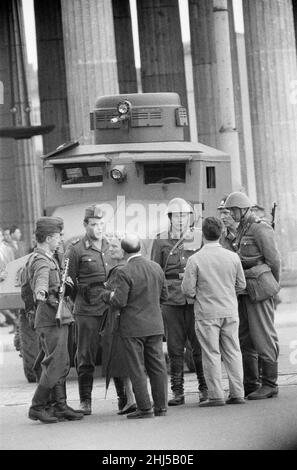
(273, 215)
(63, 315)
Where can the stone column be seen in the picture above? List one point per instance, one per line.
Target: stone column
(204, 69)
(213, 79)
(124, 46)
(295, 18)
(20, 191)
(227, 139)
(90, 57)
(161, 48)
(51, 72)
(271, 61)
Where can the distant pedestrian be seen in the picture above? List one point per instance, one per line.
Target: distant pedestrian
(16, 243)
(212, 277)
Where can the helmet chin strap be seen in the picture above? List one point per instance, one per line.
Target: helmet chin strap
(244, 214)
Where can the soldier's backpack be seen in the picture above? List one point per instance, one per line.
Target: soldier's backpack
(25, 281)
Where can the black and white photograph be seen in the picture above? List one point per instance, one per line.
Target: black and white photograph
(148, 228)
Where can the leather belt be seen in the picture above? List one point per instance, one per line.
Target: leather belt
(172, 276)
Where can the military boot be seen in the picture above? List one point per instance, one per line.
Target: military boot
(38, 410)
(85, 386)
(269, 386)
(120, 388)
(251, 373)
(203, 391)
(60, 408)
(177, 382)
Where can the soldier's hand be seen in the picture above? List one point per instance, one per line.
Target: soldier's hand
(52, 300)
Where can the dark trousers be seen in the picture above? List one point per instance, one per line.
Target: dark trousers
(257, 337)
(145, 357)
(56, 364)
(87, 343)
(179, 323)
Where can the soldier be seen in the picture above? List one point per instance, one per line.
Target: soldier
(256, 247)
(169, 252)
(89, 263)
(44, 274)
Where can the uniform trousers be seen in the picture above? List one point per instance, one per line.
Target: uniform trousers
(87, 342)
(219, 340)
(179, 322)
(257, 336)
(145, 356)
(56, 363)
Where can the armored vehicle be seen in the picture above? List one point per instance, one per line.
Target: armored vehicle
(139, 161)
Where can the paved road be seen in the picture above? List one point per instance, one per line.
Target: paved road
(268, 424)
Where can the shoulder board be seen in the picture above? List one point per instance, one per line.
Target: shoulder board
(74, 242)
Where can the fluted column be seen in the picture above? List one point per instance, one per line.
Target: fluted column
(124, 46)
(51, 72)
(295, 18)
(20, 191)
(90, 57)
(227, 139)
(271, 61)
(161, 48)
(213, 79)
(204, 69)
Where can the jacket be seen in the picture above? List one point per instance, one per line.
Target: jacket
(140, 287)
(173, 262)
(45, 275)
(256, 244)
(88, 269)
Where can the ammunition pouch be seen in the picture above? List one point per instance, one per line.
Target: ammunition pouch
(260, 283)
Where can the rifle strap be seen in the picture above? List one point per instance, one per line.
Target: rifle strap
(171, 251)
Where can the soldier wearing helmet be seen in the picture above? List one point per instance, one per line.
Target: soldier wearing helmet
(169, 252)
(256, 246)
(89, 263)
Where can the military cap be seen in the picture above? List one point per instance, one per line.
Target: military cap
(94, 211)
(49, 225)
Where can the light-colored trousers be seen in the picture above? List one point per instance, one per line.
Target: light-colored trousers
(219, 340)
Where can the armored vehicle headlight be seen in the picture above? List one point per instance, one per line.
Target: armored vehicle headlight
(124, 107)
(118, 173)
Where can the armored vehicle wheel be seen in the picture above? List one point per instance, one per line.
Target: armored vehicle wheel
(29, 347)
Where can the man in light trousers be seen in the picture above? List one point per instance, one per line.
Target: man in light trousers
(212, 277)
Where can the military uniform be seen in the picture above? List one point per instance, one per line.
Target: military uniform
(88, 268)
(44, 275)
(256, 245)
(178, 314)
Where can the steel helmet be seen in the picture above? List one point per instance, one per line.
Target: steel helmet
(238, 199)
(178, 204)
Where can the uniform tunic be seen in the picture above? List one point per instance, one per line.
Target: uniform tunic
(45, 275)
(88, 268)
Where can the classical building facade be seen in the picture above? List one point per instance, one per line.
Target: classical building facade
(244, 89)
